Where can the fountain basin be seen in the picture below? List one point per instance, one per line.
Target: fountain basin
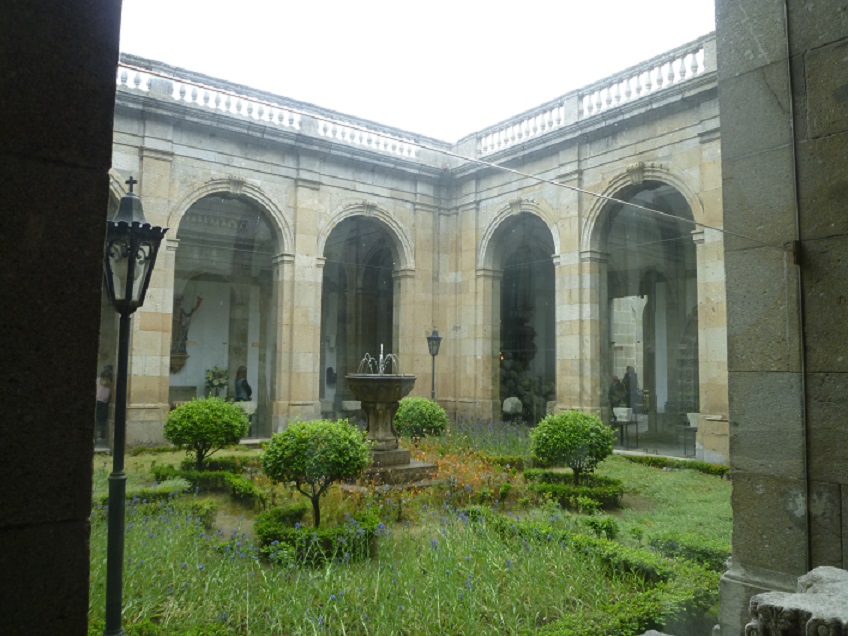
(375, 387)
(379, 395)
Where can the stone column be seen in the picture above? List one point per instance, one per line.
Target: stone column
(281, 395)
(304, 336)
(484, 365)
(150, 345)
(581, 305)
(712, 436)
(407, 317)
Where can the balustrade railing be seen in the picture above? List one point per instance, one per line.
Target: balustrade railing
(660, 73)
(225, 100)
(531, 124)
(669, 69)
(673, 68)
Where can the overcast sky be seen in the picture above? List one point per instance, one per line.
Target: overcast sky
(443, 68)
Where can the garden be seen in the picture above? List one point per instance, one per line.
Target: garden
(522, 531)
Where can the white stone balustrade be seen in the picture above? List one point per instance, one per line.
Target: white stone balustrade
(360, 136)
(165, 84)
(528, 125)
(670, 69)
(654, 75)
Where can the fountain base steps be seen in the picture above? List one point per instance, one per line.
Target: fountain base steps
(412, 472)
(389, 458)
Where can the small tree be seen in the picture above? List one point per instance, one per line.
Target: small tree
(418, 417)
(578, 440)
(206, 425)
(314, 455)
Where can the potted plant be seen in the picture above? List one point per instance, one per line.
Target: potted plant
(216, 381)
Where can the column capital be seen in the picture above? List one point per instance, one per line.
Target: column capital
(488, 272)
(404, 272)
(594, 256)
(283, 258)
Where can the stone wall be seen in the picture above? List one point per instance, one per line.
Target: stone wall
(443, 213)
(784, 122)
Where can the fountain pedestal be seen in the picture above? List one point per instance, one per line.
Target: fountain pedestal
(379, 395)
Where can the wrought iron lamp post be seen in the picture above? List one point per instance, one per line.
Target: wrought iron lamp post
(131, 248)
(434, 341)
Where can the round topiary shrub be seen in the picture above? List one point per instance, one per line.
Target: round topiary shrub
(206, 425)
(419, 417)
(574, 439)
(313, 455)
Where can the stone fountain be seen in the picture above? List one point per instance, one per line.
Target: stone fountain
(379, 393)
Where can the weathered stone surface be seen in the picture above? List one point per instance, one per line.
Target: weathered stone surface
(762, 311)
(827, 89)
(762, 190)
(764, 91)
(823, 186)
(766, 431)
(825, 303)
(819, 607)
(773, 525)
(815, 23)
(827, 405)
(749, 35)
(826, 524)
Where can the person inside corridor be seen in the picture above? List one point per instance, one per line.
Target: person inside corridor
(632, 395)
(243, 390)
(617, 394)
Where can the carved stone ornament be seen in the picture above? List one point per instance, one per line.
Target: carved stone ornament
(236, 184)
(636, 173)
(820, 608)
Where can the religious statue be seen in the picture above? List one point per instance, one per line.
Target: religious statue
(182, 321)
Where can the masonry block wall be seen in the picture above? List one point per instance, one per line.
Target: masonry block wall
(54, 190)
(783, 97)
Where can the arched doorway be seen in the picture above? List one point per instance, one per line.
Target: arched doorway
(650, 313)
(357, 304)
(225, 304)
(524, 248)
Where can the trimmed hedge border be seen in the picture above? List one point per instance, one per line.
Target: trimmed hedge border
(240, 487)
(678, 592)
(604, 490)
(355, 540)
(167, 489)
(717, 470)
(692, 547)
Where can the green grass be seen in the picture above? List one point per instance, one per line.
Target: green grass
(672, 500)
(445, 575)
(436, 573)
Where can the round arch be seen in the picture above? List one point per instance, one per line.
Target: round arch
(635, 175)
(486, 253)
(281, 226)
(402, 245)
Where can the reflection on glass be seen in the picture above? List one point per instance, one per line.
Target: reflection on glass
(357, 305)
(224, 305)
(652, 312)
(527, 360)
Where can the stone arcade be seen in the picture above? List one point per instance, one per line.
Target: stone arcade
(302, 238)
(784, 148)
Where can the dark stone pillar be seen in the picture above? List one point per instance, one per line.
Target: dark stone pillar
(784, 135)
(57, 82)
